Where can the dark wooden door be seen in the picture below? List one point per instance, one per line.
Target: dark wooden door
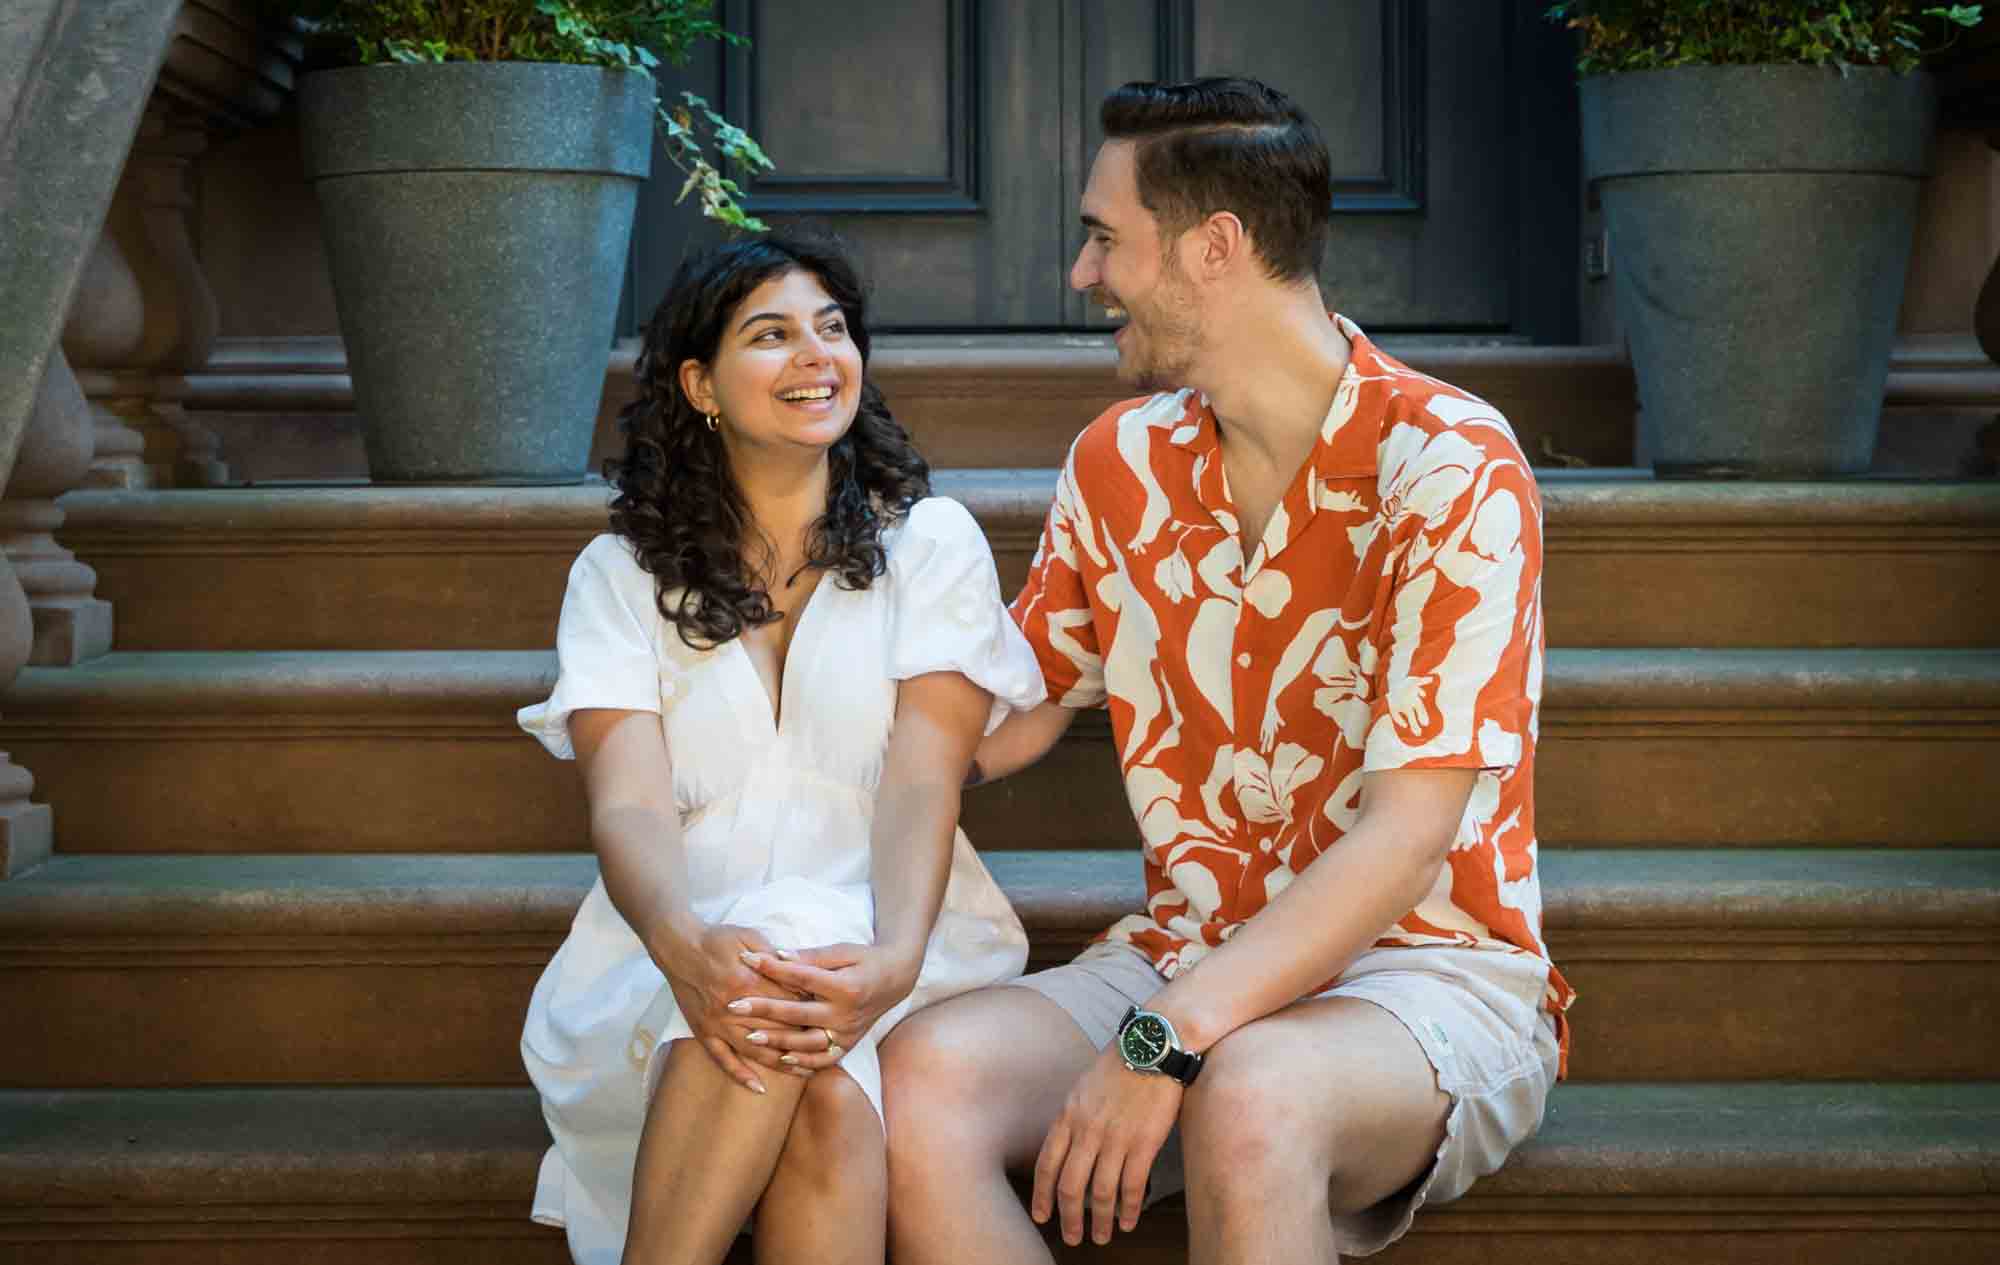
(949, 140)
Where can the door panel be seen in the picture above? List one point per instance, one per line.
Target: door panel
(949, 140)
(923, 134)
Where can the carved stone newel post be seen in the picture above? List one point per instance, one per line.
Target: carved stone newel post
(144, 317)
(27, 831)
(70, 624)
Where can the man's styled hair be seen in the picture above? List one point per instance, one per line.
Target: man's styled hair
(1233, 145)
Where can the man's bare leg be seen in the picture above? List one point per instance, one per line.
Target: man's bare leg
(705, 1156)
(971, 1087)
(828, 1200)
(1326, 1106)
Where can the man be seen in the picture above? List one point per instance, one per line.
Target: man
(1305, 581)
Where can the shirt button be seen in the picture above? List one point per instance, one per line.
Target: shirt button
(642, 1045)
(1243, 660)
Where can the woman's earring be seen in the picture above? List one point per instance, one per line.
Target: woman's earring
(713, 420)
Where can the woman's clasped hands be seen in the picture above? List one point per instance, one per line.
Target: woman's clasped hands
(711, 972)
(751, 1004)
(825, 999)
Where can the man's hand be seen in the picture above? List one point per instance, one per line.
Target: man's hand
(1102, 1147)
(848, 987)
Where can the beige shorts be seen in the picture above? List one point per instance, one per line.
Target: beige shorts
(1475, 1013)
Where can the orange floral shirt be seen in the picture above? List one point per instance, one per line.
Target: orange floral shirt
(1391, 618)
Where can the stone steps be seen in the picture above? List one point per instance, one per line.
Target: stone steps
(331, 751)
(1690, 965)
(1630, 562)
(284, 406)
(1836, 1174)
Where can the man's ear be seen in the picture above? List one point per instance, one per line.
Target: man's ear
(695, 386)
(1223, 245)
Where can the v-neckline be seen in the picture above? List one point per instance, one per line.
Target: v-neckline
(774, 708)
(1298, 502)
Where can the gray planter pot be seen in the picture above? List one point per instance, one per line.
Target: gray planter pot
(1761, 220)
(476, 220)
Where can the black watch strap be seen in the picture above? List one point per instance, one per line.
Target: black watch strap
(1182, 1066)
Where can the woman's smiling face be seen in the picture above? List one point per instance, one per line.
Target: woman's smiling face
(787, 371)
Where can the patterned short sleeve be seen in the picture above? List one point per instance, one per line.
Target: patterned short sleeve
(1053, 607)
(946, 610)
(605, 652)
(1460, 672)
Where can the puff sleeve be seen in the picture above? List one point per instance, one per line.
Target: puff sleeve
(946, 612)
(604, 645)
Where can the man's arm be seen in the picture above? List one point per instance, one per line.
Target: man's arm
(1378, 872)
(1115, 1121)
(1021, 739)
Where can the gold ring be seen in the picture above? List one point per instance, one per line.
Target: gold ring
(830, 1042)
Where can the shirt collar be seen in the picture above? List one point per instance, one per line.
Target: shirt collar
(1350, 434)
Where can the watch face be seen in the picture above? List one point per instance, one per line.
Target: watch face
(1144, 1040)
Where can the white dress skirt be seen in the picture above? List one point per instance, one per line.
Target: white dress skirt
(775, 819)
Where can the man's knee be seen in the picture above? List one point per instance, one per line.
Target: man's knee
(930, 1083)
(927, 1063)
(1242, 1127)
(1335, 1111)
(972, 1083)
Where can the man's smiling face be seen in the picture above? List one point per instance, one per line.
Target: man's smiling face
(1130, 267)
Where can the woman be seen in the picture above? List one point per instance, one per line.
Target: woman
(777, 589)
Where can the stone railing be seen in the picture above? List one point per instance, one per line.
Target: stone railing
(103, 307)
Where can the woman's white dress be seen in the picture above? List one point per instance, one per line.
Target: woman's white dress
(775, 819)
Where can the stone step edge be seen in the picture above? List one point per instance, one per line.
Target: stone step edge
(132, 1153)
(1947, 686)
(310, 373)
(132, 902)
(1579, 507)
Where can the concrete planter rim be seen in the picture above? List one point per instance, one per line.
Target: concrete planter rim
(1763, 117)
(1763, 215)
(476, 217)
(432, 106)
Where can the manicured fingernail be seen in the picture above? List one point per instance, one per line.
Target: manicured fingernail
(757, 1038)
(788, 1059)
(803, 1073)
(786, 955)
(758, 1087)
(749, 958)
(741, 1005)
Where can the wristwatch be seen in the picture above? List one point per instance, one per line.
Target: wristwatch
(1148, 1043)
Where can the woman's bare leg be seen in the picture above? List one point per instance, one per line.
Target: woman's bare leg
(828, 1201)
(705, 1156)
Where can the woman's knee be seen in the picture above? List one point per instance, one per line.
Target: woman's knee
(833, 1115)
(834, 1134)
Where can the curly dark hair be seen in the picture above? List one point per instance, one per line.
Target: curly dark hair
(677, 501)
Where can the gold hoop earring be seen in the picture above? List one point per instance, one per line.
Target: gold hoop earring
(714, 420)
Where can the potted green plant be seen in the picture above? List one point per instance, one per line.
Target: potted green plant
(477, 165)
(1759, 164)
